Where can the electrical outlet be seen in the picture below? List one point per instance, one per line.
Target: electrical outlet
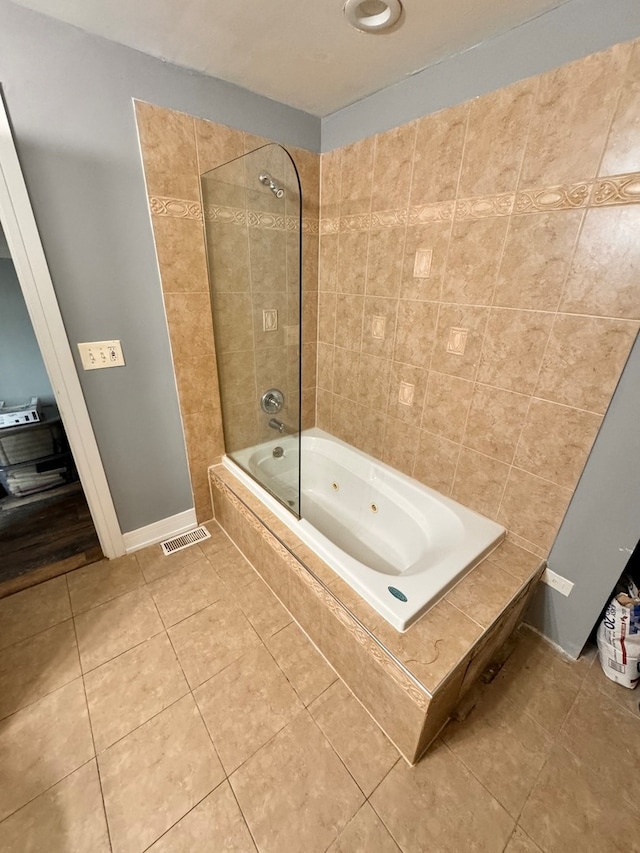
(557, 582)
(99, 354)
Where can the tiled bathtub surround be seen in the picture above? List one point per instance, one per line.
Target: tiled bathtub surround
(478, 285)
(408, 682)
(176, 149)
(485, 372)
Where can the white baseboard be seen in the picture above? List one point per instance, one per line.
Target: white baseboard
(159, 530)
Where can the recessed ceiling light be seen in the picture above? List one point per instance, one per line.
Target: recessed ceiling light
(373, 16)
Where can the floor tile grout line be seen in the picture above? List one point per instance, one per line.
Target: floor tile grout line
(283, 673)
(226, 666)
(93, 740)
(120, 654)
(620, 706)
(31, 576)
(509, 839)
(95, 758)
(322, 693)
(534, 784)
(193, 807)
(37, 633)
(49, 788)
(579, 693)
(480, 782)
(244, 817)
(296, 691)
(554, 738)
(173, 570)
(107, 600)
(587, 770)
(168, 627)
(39, 698)
(206, 728)
(195, 702)
(272, 737)
(524, 710)
(400, 762)
(140, 725)
(303, 710)
(340, 759)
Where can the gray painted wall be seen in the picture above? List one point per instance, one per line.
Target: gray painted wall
(69, 99)
(571, 31)
(602, 525)
(22, 371)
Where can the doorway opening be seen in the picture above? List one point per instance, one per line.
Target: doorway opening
(46, 527)
(69, 449)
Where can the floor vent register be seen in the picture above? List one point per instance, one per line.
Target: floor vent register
(185, 540)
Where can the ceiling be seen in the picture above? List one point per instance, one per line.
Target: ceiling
(299, 52)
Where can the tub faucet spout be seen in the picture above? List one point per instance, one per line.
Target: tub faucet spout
(274, 423)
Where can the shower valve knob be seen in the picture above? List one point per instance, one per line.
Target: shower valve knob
(272, 401)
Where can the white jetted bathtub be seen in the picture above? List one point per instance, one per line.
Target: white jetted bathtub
(399, 544)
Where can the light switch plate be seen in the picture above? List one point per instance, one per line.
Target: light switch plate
(98, 354)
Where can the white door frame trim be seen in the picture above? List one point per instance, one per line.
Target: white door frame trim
(18, 222)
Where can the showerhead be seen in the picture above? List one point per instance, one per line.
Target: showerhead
(266, 179)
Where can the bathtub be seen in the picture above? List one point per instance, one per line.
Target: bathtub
(399, 544)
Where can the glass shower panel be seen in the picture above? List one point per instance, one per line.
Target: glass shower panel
(252, 214)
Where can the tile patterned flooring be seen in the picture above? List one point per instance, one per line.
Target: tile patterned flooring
(170, 704)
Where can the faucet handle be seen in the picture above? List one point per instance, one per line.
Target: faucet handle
(272, 401)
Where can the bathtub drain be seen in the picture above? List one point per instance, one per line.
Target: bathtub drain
(374, 507)
(335, 487)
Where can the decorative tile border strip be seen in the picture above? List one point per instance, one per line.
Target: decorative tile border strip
(553, 198)
(424, 213)
(183, 209)
(359, 222)
(601, 192)
(228, 215)
(389, 218)
(616, 189)
(175, 207)
(484, 206)
(330, 226)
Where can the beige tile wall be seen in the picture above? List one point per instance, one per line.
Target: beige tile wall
(479, 288)
(176, 149)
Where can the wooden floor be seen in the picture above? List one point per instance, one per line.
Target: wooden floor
(43, 536)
